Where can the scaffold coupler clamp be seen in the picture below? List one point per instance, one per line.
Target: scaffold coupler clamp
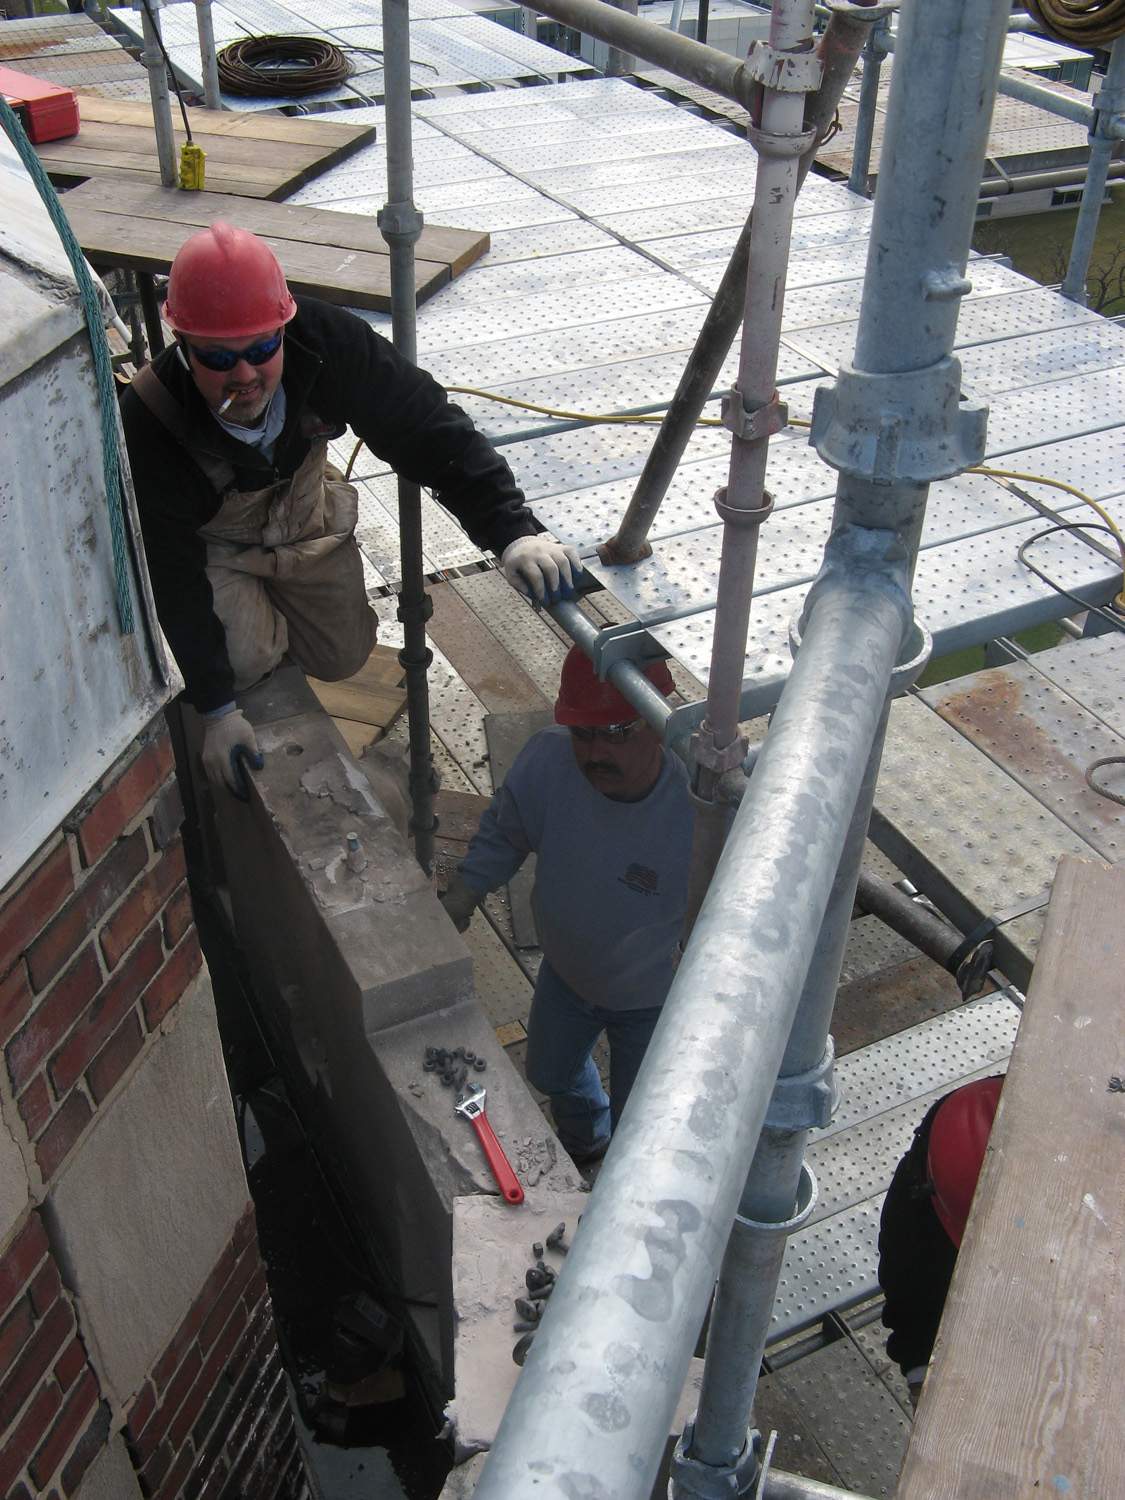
(804, 1101)
(902, 426)
(718, 759)
(400, 222)
(753, 423)
(858, 11)
(691, 1479)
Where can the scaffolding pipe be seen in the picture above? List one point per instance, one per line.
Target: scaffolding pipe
(153, 59)
(873, 54)
(212, 97)
(1108, 102)
(838, 49)
(401, 225)
(753, 413)
(591, 1411)
(625, 675)
(681, 55)
(620, 63)
(891, 425)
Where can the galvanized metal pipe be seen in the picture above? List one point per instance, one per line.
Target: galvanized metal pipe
(1109, 102)
(873, 54)
(838, 49)
(153, 59)
(679, 54)
(626, 676)
(212, 96)
(401, 225)
(619, 62)
(591, 1410)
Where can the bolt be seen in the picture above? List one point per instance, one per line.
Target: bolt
(537, 1252)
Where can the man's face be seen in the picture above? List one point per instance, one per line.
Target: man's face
(250, 385)
(624, 769)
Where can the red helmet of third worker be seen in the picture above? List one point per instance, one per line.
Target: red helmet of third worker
(584, 699)
(226, 283)
(958, 1137)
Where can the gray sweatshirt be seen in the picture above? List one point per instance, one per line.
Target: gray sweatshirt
(611, 877)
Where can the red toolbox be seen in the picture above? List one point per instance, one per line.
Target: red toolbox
(47, 111)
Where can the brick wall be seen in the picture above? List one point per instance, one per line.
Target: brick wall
(96, 945)
(53, 1422)
(212, 1419)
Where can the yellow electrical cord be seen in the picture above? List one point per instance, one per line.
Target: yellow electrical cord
(626, 420)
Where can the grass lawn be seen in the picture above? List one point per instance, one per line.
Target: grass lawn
(1039, 244)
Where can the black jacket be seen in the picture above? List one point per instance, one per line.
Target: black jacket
(345, 373)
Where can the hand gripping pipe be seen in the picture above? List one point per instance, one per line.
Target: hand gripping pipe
(838, 49)
(401, 224)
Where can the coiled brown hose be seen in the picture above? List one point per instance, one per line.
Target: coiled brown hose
(268, 66)
(1083, 23)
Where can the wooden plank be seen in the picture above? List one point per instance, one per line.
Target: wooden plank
(357, 737)
(375, 695)
(1027, 1389)
(480, 659)
(459, 814)
(282, 158)
(455, 248)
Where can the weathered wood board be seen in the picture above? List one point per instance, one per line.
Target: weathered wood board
(1027, 1388)
(342, 258)
(250, 154)
(73, 51)
(365, 706)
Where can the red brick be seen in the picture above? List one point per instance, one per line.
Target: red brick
(142, 1408)
(70, 1363)
(178, 1473)
(68, 1424)
(53, 1146)
(106, 1012)
(178, 916)
(152, 1473)
(89, 1445)
(22, 1443)
(120, 803)
(257, 1289)
(45, 1288)
(21, 1258)
(111, 1062)
(167, 816)
(14, 1333)
(178, 1388)
(34, 1362)
(172, 980)
(15, 999)
(216, 1319)
(35, 1105)
(141, 905)
(103, 887)
(32, 905)
(55, 1014)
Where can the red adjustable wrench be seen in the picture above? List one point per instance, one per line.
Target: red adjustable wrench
(471, 1106)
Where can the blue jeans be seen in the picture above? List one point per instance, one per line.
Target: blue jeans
(561, 1032)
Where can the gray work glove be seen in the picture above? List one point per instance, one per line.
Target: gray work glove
(459, 901)
(229, 746)
(541, 567)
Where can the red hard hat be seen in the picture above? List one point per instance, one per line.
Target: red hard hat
(583, 699)
(958, 1136)
(226, 283)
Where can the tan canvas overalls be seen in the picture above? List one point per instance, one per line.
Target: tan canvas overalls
(283, 563)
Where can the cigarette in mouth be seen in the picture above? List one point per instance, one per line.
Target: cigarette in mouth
(225, 404)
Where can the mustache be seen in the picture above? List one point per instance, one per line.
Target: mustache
(603, 765)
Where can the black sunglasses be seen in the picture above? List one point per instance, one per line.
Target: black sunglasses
(613, 734)
(222, 360)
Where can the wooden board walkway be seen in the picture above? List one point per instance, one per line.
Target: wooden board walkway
(365, 706)
(1031, 1351)
(251, 154)
(341, 258)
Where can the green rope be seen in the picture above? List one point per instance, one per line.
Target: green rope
(103, 369)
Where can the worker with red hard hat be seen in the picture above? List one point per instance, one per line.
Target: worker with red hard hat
(248, 529)
(924, 1217)
(606, 810)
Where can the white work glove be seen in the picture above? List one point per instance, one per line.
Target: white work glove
(229, 745)
(459, 901)
(541, 567)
